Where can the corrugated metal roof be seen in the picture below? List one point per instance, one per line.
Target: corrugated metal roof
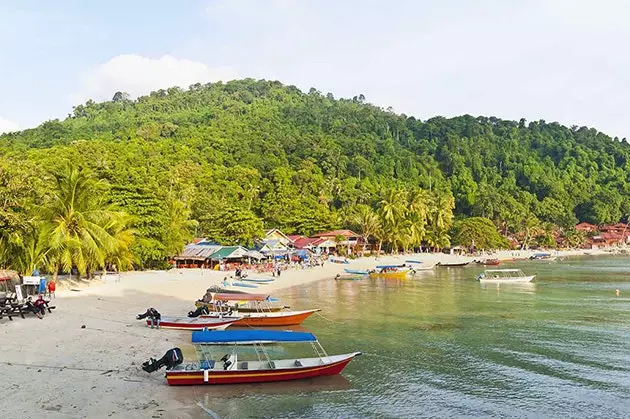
(229, 252)
(197, 252)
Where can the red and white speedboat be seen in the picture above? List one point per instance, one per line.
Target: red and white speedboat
(235, 367)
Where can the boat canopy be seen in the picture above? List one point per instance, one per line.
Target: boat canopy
(239, 297)
(389, 266)
(249, 336)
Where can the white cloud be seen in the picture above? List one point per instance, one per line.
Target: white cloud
(138, 75)
(7, 125)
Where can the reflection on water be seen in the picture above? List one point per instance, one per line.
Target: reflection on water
(441, 344)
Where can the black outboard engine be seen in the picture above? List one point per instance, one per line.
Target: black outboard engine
(171, 358)
(151, 313)
(203, 309)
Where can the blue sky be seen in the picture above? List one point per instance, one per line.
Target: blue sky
(557, 60)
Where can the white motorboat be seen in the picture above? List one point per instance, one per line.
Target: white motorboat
(504, 275)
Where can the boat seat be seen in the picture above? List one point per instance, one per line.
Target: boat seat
(243, 366)
(298, 363)
(207, 365)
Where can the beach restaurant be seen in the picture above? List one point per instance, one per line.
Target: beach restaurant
(211, 256)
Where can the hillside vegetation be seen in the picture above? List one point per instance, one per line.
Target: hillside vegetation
(227, 160)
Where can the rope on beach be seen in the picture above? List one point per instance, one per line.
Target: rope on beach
(117, 332)
(61, 367)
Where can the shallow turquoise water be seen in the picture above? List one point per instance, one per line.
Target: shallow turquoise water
(443, 345)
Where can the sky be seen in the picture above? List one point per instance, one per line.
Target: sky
(556, 60)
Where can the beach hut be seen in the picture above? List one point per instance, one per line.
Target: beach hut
(196, 256)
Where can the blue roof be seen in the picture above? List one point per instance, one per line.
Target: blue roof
(249, 336)
(388, 266)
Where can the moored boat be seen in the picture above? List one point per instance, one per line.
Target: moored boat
(489, 262)
(258, 280)
(349, 277)
(260, 314)
(231, 283)
(504, 276)
(195, 323)
(453, 264)
(241, 366)
(424, 267)
(153, 318)
(389, 274)
(356, 271)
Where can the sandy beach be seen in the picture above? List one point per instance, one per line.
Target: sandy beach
(83, 360)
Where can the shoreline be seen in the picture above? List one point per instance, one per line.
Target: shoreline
(191, 283)
(83, 359)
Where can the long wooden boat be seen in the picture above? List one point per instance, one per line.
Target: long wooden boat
(235, 368)
(196, 323)
(241, 308)
(504, 276)
(489, 262)
(263, 316)
(453, 264)
(349, 277)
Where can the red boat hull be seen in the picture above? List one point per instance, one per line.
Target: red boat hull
(193, 326)
(272, 319)
(183, 378)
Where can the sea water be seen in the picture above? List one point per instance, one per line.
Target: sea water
(440, 344)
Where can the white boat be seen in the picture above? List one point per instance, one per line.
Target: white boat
(424, 267)
(504, 275)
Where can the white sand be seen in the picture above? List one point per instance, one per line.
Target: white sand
(60, 369)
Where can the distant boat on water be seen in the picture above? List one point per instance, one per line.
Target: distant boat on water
(489, 262)
(453, 264)
(504, 276)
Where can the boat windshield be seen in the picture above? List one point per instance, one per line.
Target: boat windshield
(504, 273)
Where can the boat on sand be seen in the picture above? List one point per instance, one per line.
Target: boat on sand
(240, 364)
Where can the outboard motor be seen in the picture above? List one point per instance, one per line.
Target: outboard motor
(171, 358)
(203, 309)
(151, 313)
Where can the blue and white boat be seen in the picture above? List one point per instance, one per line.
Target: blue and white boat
(258, 280)
(356, 271)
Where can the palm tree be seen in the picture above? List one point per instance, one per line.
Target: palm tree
(368, 223)
(81, 227)
(418, 214)
(440, 219)
(391, 207)
(391, 210)
(181, 228)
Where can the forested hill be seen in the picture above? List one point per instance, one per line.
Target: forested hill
(258, 150)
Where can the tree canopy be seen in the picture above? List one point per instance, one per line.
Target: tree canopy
(224, 160)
